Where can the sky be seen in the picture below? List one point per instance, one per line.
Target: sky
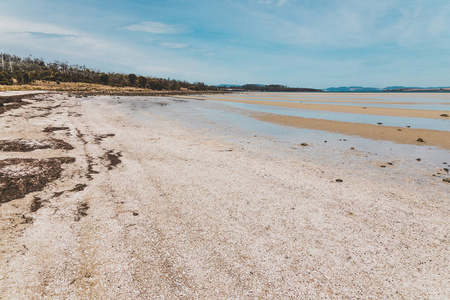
(299, 43)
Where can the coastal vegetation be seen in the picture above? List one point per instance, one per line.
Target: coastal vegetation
(15, 70)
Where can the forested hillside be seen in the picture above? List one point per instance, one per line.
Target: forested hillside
(17, 70)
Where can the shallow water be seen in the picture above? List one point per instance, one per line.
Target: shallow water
(424, 123)
(232, 123)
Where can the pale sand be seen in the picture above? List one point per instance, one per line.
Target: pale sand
(375, 132)
(380, 111)
(213, 223)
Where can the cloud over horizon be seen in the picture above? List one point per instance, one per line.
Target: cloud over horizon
(157, 27)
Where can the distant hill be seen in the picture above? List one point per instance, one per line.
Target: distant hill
(228, 85)
(360, 89)
(352, 89)
(264, 88)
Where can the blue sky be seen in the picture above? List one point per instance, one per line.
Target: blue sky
(305, 43)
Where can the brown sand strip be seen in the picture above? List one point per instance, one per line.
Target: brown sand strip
(380, 111)
(361, 101)
(375, 132)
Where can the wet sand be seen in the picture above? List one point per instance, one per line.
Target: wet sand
(327, 99)
(152, 209)
(375, 132)
(380, 111)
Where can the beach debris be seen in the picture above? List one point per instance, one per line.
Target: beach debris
(389, 163)
(30, 145)
(81, 211)
(304, 144)
(444, 115)
(325, 141)
(79, 187)
(379, 123)
(53, 129)
(382, 166)
(447, 179)
(113, 159)
(99, 137)
(408, 126)
(352, 148)
(445, 169)
(399, 129)
(135, 214)
(420, 140)
(419, 159)
(21, 176)
(339, 180)
(36, 204)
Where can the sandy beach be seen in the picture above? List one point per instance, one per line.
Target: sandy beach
(145, 209)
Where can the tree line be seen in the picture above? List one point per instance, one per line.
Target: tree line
(17, 70)
(274, 88)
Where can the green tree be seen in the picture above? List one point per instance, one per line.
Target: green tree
(26, 78)
(104, 79)
(142, 81)
(5, 79)
(132, 78)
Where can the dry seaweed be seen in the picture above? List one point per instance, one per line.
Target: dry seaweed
(30, 145)
(20, 176)
(53, 129)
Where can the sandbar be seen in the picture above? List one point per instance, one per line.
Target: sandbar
(375, 132)
(380, 111)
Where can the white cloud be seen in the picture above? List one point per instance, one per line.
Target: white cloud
(174, 45)
(277, 2)
(156, 27)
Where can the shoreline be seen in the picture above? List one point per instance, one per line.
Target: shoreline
(151, 208)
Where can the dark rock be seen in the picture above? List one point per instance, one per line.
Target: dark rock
(420, 140)
(339, 180)
(418, 159)
(446, 179)
(444, 115)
